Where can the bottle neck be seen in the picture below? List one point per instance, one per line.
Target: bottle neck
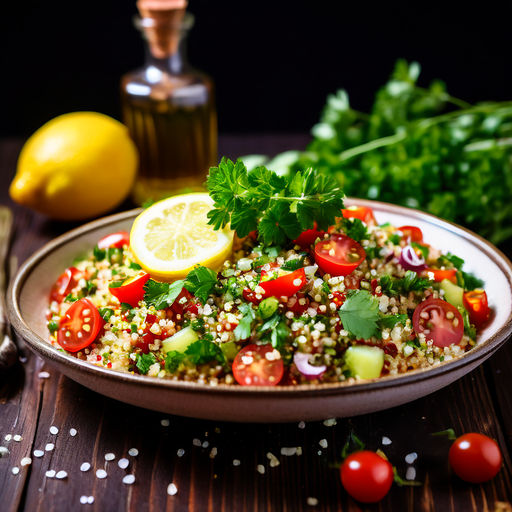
(173, 62)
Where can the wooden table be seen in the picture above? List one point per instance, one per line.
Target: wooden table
(183, 452)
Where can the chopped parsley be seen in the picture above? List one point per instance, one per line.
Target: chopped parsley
(201, 281)
(203, 351)
(161, 295)
(144, 361)
(389, 321)
(244, 327)
(411, 282)
(106, 313)
(355, 229)
(360, 314)
(295, 263)
(53, 326)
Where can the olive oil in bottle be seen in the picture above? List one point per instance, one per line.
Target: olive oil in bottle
(168, 107)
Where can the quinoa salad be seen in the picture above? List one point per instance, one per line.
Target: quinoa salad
(360, 300)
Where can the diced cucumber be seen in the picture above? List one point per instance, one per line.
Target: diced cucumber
(268, 307)
(364, 361)
(230, 350)
(452, 293)
(181, 340)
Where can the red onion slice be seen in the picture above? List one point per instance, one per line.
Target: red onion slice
(410, 260)
(301, 361)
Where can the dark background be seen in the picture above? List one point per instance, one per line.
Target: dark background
(273, 62)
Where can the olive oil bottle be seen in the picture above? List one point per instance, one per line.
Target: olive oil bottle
(169, 107)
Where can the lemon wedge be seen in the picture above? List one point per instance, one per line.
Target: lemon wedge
(172, 236)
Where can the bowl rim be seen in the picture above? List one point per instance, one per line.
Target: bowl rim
(483, 350)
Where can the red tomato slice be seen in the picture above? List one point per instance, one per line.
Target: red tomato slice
(339, 255)
(284, 285)
(298, 303)
(250, 296)
(306, 238)
(476, 304)
(79, 326)
(411, 234)
(359, 212)
(439, 321)
(253, 366)
(439, 275)
(118, 240)
(65, 283)
(132, 290)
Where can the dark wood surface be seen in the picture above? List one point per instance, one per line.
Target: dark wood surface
(29, 405)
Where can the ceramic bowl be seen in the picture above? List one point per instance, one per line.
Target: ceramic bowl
(27, 302)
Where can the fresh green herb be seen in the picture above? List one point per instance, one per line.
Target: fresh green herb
(197, 324)
(115, 255)
(360, 314)
(173, 359)
(279, 208)
(465, 280)
(147, 203)
(53, 326)
(203, 351)
(404, 483)
(352, 444)
(70, 298)
(89, 288)
(134, 266)
(275, 330)
(106, 357)
(295, 263)
(98, 254)
(469, 281)
(144, 361)
(115, 284)
(422, 248)
(372, 252)
(449, 433)
(106, 313)
(325, 288)
(469, 328)
(161, 295)
(244, 327)
(411, 282)
(201, 281)
(389, 321)
(451, 258)
(395, 238)
(355, 229)
(133, 328)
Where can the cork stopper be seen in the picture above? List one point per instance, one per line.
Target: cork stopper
(161, 20)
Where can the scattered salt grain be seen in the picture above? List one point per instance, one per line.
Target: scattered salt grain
(319, 452)
(101, 473)
(205, 444)
(8, 437)
(85, 467)
(133, 452)
(302, 424)
(50, 473)
(123, 463)
(312, 502)
(109, 457)
(25, 461)
(386, 441)
(213, 453)
(274, 461)
(260, 468)
(128, 479)
(196, 442)
(38, 453)
(3, 451)
(83, 500)
(90, 500)
(330, 422)
(17, 438)
(172, 489)
(54, 430)
(323, 443)
(236, 462)
(288, 451)
(73, 432)
(410, 474)
(165, 422)
(15, 470)
(411, 457)
(61, 475)
(44, 375)
(49, 447)
(180, 452)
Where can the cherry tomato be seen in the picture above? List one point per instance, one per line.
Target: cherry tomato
(253, 366)
(65, 283)
(250, 296)
(411, 234)
(298, 303)
(79, 326)
(366, 476)
(360, 212)
(439, 321)
(306, 238)
(475, 458)
(284, 285)
(439, 275)
(118, 240)
(132, 289)
(339, 255)
(476, 304)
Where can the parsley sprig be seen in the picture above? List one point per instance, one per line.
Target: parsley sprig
(279, 208)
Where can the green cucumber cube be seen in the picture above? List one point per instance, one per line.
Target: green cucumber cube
(364, 361)
(452, 293)
(181, 340)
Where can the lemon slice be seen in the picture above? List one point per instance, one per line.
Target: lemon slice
(172, 236)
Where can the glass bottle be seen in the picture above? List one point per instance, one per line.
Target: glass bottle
(169, 109)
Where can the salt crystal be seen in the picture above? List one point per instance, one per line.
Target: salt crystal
(386, 441)
(165, 422)
(323, 443)
(54, 430)
(260, 468)
(128, 479)
(205, 444)
(26, 461)
(17, 438)
(172, 489)
(49, 447)
(213, 452)
(302, 424)
(312, 502)
(109, 457)
(3, 451)
(44, 375)
(123, 463)
(196, 442)
(330, 422)
(180, 452)
(85, 466)
(411, 457)
(292, 450)
(101, 473)
(8, 437)
(38, 453)
(73, 432)
(133, 452)
(50, 473)
(15, 470)
(90, 500)
(61, 475)
(410, 474)
(236, 462)
(83, 500)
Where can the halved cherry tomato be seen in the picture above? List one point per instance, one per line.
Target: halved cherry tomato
(339, 255)
(306, 238)
(132, 290)
(79, 326)
(476, 304)
(118, 240)
(439, 275)
(366, 476)
(411, 234)
(65, 283)
(285, 285)
(298, 303)
(254, 366)
(475, 457)
(359, 212)
(439, 321)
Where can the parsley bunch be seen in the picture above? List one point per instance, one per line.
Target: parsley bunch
(279, 208)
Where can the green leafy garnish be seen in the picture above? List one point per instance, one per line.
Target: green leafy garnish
(144, 361)
(355, 229)
(173, 359)
(449, 433)
(411, 282)
(201, 282)
(422, 248)
(295, 263)
(360, 314)
(352, 444)
(244, 328)
(469, 328)
(106, 313)
(53, 326)
(70, 298)
(389, 321)
(275, 330)
(203, 351)
(161, 295)
(134, 266)
(279, 208)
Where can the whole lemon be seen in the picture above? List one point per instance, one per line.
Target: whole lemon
(76, 166)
